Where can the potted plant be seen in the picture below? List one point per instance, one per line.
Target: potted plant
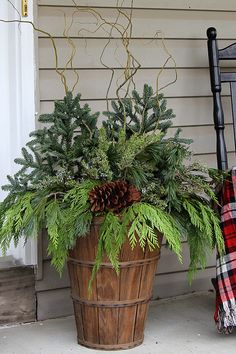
(106, 197)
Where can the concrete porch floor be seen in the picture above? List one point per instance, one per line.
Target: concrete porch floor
(178, 325)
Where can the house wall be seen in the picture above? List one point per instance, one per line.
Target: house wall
(184, 25)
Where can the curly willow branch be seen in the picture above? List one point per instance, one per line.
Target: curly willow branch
(103, 63)
(124, 31)
(62, 76)
(125, 34)
(130, 69)
(14, 7)
(73, 49)
(17, 11)
(169, 58)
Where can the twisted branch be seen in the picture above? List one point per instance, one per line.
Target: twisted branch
(63, 78)
(117, 26)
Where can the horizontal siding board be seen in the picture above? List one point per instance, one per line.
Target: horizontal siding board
(190, 83)
(54, 303)
(52, 279)
(212, 5)
(204, 139)
(211, 161)
(177, 284)
(187, 53)
(193, 24)
(169, 262)
(148, 53)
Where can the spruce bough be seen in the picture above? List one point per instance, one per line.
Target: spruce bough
(71, 156)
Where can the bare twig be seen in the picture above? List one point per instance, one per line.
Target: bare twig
(122, 29)
(63, 78)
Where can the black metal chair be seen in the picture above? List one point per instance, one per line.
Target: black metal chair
(218, 76)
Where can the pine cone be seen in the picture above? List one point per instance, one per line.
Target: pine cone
(113, 196)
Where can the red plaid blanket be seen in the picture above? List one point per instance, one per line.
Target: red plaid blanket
(225, 315)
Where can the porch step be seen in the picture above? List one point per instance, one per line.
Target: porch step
(8, 262)
(17, 294)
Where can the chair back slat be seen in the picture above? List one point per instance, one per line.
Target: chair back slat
(228, 77)
(228, 53)
(233, 103)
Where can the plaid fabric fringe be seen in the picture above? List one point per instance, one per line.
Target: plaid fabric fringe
(226, 307)
(225, 315)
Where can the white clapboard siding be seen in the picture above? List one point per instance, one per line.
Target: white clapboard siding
(187, 53)
(210, 159)
(190, 83)
(176, 284)
(179, 5)
(183, 24)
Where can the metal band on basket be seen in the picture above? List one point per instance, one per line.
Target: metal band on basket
(110, 346)
(129, 264)
(113, 304)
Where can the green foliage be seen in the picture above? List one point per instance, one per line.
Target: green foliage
(66, 216)
(69, 156)
(58, 147)
(140, 223)
(98, 166)
(56, 238)
(78, 213)
(111, 239)
(202, 229)
(145, 221)
(141, 115)
(17, 220)
(132, 148)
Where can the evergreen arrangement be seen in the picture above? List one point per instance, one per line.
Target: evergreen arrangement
(130, 171)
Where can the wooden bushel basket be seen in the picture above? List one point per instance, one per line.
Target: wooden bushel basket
(113, 316)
